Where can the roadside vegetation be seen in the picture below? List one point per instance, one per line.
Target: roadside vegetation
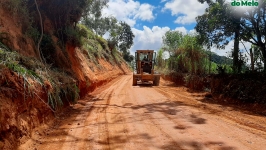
(68, 24)
(51, 53)
(240, 74)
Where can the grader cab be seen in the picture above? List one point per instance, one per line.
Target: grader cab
(144, 69)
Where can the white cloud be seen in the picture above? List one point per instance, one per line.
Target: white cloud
(181, 29)
(145, 12)
(186, 11)
(185, 31)
(132, 12)
(129, 11)
(148, 38)
(193, 31)
(221, 52)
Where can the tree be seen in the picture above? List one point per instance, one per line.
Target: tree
(125, 37)
(126, 41)
(101, 25)
(192, 54)
(94, 20)
(121, 36)
(213, 25)
(63, 12)
(127, 57)
(255, 57)
(248, 25)
(218, 25)
(159, 58)
(186, 54)
(254, 28)
(67, 13)
(172, 40)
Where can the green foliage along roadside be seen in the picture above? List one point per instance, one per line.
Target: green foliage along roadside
(186, 55)
(97, 47)
(189, 60)
(222, 23)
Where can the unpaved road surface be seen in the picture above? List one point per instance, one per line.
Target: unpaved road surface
(120, 116)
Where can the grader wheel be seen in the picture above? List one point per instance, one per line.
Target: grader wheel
(134, 81)
(156, 81)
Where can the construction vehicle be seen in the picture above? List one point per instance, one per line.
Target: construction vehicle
(144, 69)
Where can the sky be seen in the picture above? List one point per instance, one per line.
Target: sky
(150, 19)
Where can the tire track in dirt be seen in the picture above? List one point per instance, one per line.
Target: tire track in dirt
(134, 131)
(73, 133)
(220, 111)
(100, 115)
(231, 118)
(103, 139)
(174, 141)
(188, 128)
(152, 122)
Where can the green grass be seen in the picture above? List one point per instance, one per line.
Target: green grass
(97, 47)
(63, 86)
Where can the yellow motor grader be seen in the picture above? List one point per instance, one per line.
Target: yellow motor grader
(144, 69)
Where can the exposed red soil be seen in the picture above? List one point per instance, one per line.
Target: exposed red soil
(11, 29)
(19, 117)
(24, 109)
(21, 109)
(90, 79)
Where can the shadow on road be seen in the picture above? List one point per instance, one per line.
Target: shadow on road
(168, 108)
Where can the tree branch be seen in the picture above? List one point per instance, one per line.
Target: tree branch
(245, 47)
(40, 40)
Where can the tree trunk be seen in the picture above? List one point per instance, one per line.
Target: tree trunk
(236, 67)
(251, 59)
(210, 63)
(40, 40)
(263, 50)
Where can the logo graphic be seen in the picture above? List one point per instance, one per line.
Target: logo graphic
(244, 3)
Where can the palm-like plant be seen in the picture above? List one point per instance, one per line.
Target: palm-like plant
(192, 54)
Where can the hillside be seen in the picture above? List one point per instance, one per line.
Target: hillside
(39, 78)
(220, 60)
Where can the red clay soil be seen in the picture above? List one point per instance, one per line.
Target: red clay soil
(20, 115)
(22, 109)
(89, 78)
(11, 29)
(121, 116)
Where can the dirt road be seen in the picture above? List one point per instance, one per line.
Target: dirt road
(120, 116)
